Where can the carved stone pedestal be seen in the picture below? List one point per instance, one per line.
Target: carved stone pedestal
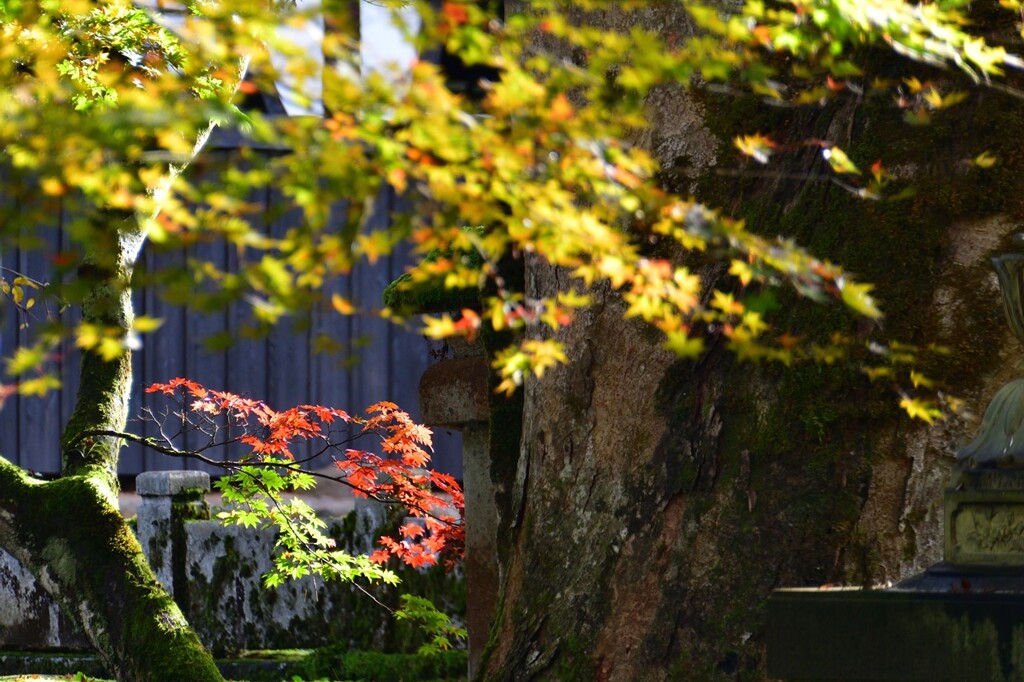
(985, 518)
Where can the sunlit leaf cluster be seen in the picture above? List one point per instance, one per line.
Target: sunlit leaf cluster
(104, 110)
(438, 625)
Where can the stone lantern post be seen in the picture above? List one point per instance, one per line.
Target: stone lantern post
(453, 394)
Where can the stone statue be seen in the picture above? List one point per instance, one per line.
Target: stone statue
(1001, 437)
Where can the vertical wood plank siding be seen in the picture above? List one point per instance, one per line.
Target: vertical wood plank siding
(282, 369)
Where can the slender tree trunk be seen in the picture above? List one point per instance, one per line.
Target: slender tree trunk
(70, 533)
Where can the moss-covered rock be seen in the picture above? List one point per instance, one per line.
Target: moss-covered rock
(407, 295)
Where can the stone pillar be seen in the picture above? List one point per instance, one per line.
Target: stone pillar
(453, 394)
(169, 500)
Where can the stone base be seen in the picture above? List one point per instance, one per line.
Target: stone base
(984, 518)
(945, 577)
(926, 635)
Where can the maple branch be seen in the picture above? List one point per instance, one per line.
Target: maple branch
(238, 466)
(397, 476)
(312, 548)
(172, 451)
(151, 443)
(187, 425)
(17, 273)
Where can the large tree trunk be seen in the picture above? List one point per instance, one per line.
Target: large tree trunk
(70, 533)
(657, 503)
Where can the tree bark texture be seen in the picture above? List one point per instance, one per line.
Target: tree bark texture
(658, 502)
(105, 385)
(70, 533)
(82, 552)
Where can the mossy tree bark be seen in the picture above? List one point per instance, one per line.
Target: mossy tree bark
(70, 533)
(657, 503)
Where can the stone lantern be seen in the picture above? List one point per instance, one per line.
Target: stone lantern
(454, 393)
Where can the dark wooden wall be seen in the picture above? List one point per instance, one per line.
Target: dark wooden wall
(282, 369)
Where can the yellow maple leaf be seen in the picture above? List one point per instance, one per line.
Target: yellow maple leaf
(839, 161)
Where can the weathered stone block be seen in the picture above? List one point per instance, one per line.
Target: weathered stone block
(171, 483)
(454, 392)
(169, 500)
(214, 573)
(984, 517)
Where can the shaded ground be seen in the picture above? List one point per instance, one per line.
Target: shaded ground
(47, 678)
(334, 663)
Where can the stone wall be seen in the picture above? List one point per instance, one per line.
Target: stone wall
(214, 573)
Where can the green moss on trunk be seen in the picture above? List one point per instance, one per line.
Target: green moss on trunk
(81, 550)
(70, 533)
(782, 481)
